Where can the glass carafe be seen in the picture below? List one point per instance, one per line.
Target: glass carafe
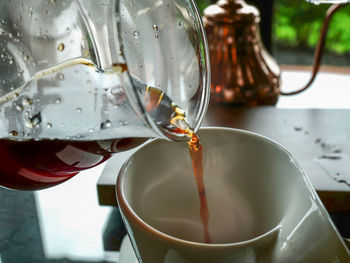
(81, 79)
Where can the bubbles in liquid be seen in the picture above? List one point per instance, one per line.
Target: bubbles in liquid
(136, 34)
(58, 101)
(60, 47)
(49, 125)
(180, 24)
(156, 36)
(79, 110)
(155, 27)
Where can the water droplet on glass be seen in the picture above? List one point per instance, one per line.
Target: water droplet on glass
(91, 130)
(19, 107)
(155, 27)
(118, 95)
(36, 120)
(123, 123)
(49, 125)
(60, 47)
(106, 124)
(11, 61)
(86, 53)
(79, 110)
(156, 36)
(26, 58)
(28, 124)
(13, 133)
(58, 101)
(105, 111)
(180, 24)
(136, 34)
(27, 101)
(88, 82)
(60, 76)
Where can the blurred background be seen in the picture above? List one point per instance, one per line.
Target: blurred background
(290, 30)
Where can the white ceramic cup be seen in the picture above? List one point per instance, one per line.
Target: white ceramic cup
(261, 204)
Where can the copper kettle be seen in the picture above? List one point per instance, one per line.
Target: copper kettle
(243, 72)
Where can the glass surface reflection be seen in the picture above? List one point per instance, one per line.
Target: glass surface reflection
(71, 221)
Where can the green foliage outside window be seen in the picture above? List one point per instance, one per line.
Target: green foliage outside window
(202, 4)
(297, 23)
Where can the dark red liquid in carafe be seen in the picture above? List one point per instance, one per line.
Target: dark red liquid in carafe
(33, 165)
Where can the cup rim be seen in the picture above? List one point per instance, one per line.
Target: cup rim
(126, 208)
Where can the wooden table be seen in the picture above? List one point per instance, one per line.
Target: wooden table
(318, 138)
